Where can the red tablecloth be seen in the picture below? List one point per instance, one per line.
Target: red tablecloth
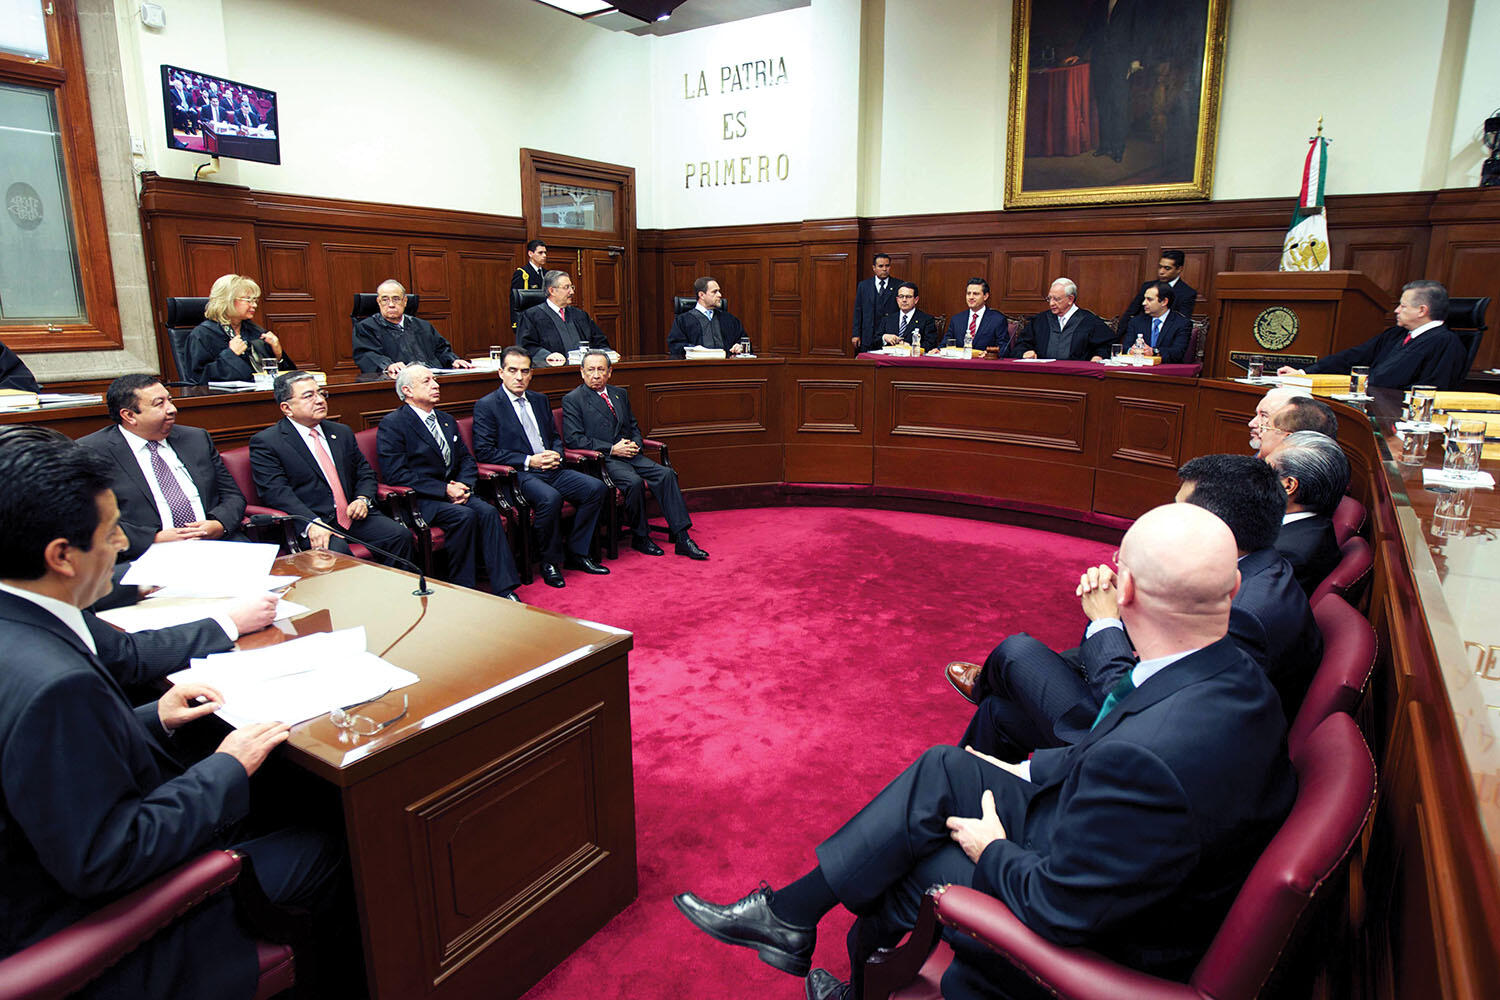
(1087, 368)
(1059, 115)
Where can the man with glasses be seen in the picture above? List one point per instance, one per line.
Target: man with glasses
(1269, 404)
(1063, 330)
(308, 465)
(390, 340)
(898, 327)
(556, 328)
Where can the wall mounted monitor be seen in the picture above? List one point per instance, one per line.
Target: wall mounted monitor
(218, 117)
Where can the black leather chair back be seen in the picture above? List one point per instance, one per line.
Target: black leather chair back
(182, 315)
(682, 303)
(365, 305)
(522, 299)
(1466, 319)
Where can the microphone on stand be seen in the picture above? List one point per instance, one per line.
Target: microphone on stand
(267, 520)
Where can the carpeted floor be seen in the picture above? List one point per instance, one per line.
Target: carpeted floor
(774, 689)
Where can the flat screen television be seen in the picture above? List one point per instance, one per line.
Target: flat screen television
(219, 117)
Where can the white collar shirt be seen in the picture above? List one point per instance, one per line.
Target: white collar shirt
(139, 447)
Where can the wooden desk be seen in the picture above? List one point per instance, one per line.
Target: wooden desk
(491, 831)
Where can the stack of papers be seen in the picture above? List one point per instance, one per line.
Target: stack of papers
(157, 611)
(695, 353)
(297, 680)
(202, 568)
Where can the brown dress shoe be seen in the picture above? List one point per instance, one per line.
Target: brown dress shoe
(963, 675)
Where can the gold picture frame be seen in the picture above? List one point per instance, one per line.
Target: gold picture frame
(1062, 150)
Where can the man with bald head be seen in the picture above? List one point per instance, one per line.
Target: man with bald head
(1273, 400)
(1132, 842)
(390, 340)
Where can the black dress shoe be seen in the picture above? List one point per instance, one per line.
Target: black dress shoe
(750, 922)
(511, 597)
(643, 544)
(552, 576)
(687, 547)
(824, 985)
(585, 564)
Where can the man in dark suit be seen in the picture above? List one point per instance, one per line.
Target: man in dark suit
(170, 481)
(1418, 350)
(1314, 471)
(899, 326)
(310, 466)
(533, 273)
(1134, 842)
(1030, 697)
(419, 446)
(597, 417)
(551, 331)
(94, 803)
(874, 298)
(1159, 326)
(989, 326)
(14, 374)
(1184, 296)
(514, 426)
(708, 324)
(1063, 330)
(390, 340)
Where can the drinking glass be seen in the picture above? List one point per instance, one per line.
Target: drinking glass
(1464, 443)
(1359, 380)
(1422, 398)
(1116, 351)
(1450, 517)
(1255, 369)
(269, 364)
(744, 347)
(495, 351)
(1413, 447)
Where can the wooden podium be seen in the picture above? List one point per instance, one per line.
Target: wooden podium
(1291, 317)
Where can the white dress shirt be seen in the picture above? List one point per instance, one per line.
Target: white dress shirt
(1414, 334)
(174, 465)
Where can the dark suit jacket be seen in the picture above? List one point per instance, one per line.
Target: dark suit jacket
(14, 374)
(1272, 621)
(288, 478)
(498, 435)
(1172, 345)
(1311, 548)
(1184, 300)
(869, 308)
(527, 276)
(994, 330)
(589, 424)
(376, 344)
(1437, 358)
(540, 332)
(94, 805)
(1089, 335)
(410, 456)
(890, 322)
(222, 499)
(151, 654)
(211, 360)
(688, 329)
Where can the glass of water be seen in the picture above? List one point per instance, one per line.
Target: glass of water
(1116, 351)
(1450, 517)
(1462, 448)
(1255, 368)
(269, 364)
(1413, 447)
(1422, 398)
(1359, 380)
(495, 351)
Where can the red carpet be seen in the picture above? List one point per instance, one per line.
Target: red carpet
(774, 689)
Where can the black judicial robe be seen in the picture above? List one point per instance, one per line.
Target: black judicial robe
(1437, 357)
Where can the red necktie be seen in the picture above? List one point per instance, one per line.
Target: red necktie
(605, 396)
(325, 462)
(563, 313)
(973, 321)
(1406, 341)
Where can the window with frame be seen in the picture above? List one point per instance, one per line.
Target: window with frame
(56, 285)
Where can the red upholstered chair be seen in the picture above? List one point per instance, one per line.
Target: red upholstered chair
(1348, 661)
(1349, 576)
(397, 502)
(1269, 916)
(68, 960)
(237, 461)
(1348, 518)
(593, 463)
(498, 487)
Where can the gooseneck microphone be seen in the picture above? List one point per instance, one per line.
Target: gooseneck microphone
(267, 520)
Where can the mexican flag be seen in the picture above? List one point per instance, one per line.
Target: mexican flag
(1306, 245)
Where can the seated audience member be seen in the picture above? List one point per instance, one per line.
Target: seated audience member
(897, 327)
(532, 274)
(94, 803)
(308, 465)
(1184, 296)
(1314, 471)
(13, 372)
(1300, 413)
(514, 426)
(551, 331)
(227, 346)
(170, 482)
(989, 326)
(1159, 326)
(419, 446)
(1063, 330)
(1418, 350)
(874, 299)
(1273, 400)
(1030, 697)
(390, 340)
(597, 417)
(1133, 845)
(708, 324)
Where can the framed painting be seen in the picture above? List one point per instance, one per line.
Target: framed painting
(1113, 101)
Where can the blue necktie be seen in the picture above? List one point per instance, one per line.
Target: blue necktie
(1155, 330)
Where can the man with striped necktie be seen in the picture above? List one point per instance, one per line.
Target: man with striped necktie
(897, 327)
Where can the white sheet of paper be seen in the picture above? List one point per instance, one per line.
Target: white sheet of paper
(226, 588)
(1459, 480)
(165, 612)
(207, 568)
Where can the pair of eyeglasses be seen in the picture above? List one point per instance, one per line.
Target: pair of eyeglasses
(363, 725)
(318, 394)
(247, 298)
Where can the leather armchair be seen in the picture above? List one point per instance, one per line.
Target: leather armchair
(70, 959)
(183, 314)
(592, 462)
(1466, 320)
(682, 303)
(1348, 518)
(1348, 660)
(1268, 923)
(396, 502)
(1348, 577)
(499, 487)
(365, 304)
(286, 534)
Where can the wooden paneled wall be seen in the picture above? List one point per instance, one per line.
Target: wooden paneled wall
(792, 284)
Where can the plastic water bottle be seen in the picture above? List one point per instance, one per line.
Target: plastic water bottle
(968, 343)
(916, 341)
(1139, 348)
